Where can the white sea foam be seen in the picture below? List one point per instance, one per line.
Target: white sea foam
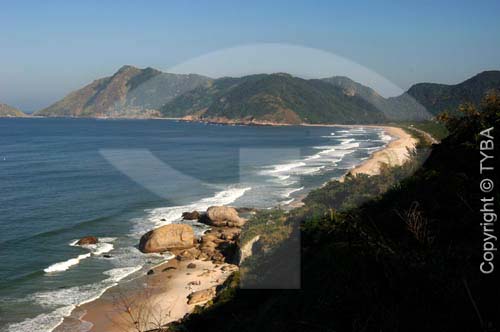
(344, 141)
(311, 170)
(287, 193)
(332, 153)
(63, 301)
(42, 322)
(348, 146)
(286, 167)
(385, 137)
(314, 156)
(372, 148)
(286, 202)
(100, 248)
(120, 273)
(166, 215)
(107, 239)
(328, 156)
(63, 266)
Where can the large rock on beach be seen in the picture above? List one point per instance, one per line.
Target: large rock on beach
(173, 236)
(223, 216)
(87, 240)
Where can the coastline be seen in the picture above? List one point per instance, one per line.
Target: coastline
(396, 153)
(161, 295)
(170, 284)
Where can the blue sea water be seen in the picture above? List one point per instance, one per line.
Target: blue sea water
(62, 179)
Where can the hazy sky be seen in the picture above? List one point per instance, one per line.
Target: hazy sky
(49, 48)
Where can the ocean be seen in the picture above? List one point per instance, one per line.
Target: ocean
(62, 179)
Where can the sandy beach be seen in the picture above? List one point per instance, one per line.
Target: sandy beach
(163, 295)
(157, 298)
(394, 154)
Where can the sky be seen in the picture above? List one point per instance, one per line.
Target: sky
(50, 48)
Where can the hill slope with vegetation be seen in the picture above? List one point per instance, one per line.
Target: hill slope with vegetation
(279, 98)
(263, 98)
(7, 111)
(283, 98)
(399, 251)
(438, 98)
(130, 92)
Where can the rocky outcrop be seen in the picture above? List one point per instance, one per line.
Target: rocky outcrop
(87, 240)
(173, 236)
(201, 296)
(247, 249)
(222, 216)
(219, 244)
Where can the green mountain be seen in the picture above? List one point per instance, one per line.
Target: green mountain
(277, 98)
(197, 101)
(263, 98)
(130, 92)
(283, 98)
(437, 98)
(7, 111)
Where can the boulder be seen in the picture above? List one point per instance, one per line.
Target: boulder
(223, 216)
(87, 240)
(195, 215)
(201, 296)
(191, 266)
(173, 236)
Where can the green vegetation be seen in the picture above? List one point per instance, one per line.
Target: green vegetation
(432, 127)
(283, 98)
(198, 100)
(271, 225)
(278, 98)
(399, 251)
(438, 98)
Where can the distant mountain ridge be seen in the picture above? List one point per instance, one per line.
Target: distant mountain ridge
(263, 98)
(7, 111)
(130, 92)
(437, 98)
(273, 98)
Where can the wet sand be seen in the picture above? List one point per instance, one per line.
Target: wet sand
(151, 300)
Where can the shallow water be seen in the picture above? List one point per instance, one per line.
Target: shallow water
(63, 179)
